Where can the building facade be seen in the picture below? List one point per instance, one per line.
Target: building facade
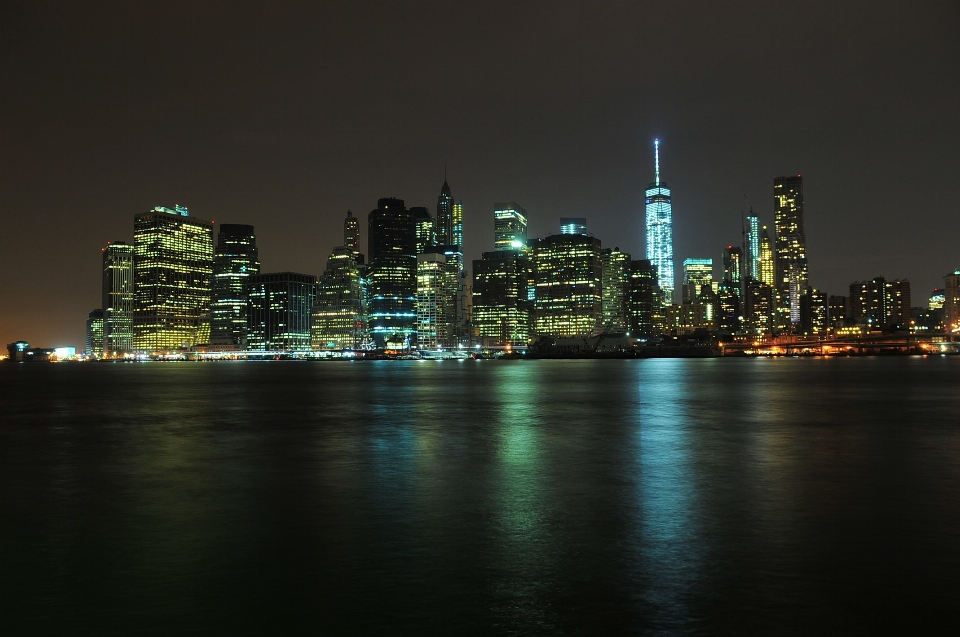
(509, 226)
(791, 247)
(117, 299)
(567, 278)
(235, 258)
(614, 291)
(503, 297)
(951, 301)
(392, 275)
(280, 309)
(94, 334)
(643, 299)
(173, 267)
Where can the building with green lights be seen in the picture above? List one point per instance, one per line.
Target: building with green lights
(280, 309)
(567, 271)
(235, 259)
(117, 299)
(173, 267)
(509, 226)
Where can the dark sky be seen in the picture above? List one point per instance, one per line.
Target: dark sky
(285, 115)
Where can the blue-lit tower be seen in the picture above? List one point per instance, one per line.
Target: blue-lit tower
(660, 229)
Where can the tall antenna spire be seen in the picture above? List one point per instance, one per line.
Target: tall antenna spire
(656, 159)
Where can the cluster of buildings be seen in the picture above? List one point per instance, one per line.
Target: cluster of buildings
(178, 287)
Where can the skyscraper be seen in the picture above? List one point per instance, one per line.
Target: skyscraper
(392, 275)
(752, 256)
(951, 301)
(351, 236)
(766, 262)
(173, 265)
(696, 274)
(425, 228)
(436, 285)
(234, 260)
(444, 220)
(280, 311)
(502, 297)
(733, 270)
(659, 223)
(94, 334)
(567, 274)
(614, 290)
(642, 299)
(791, 257)
(117, 293)
(509, 226)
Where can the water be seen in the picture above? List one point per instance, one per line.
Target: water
(770, 496)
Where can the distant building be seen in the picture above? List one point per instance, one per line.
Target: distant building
(614, 291)
(509, 226)
(759, 308)
(338, 313)
(392, 275)
(696, 274)
(117, 299)
(424, 228)
(351, 237)
(767, 263)
(567, 274)
(280, 307)
(838, 308)
(173, 265)
(436, 301)
(94, 344)
(235, 259)
(814, 313)
(659, 226)
(573, 225)
(643, 299)
(444, 220)
(880, 304)
(503, 297)
(951, 301)
(752, 256)
(732, 270)
(791, 248)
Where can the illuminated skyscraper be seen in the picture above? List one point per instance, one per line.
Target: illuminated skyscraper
(457, 225)
(436, 293)
(696, 274)
(234, 260)
(503, 297)
(392, 275)
(339, 320)
(509, 226)
(94, 333)
(425, 228)
(567, 274)
(732, 269)
(117, 299)
(173, 265)
(281, 304)
(659, 223)
(752, 257)
(791, 256)
(614, 291)
(767, 265)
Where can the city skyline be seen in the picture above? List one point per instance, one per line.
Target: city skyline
(584, 154)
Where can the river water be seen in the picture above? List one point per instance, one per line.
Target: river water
(662, 496)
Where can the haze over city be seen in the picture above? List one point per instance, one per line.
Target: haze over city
(286, 117)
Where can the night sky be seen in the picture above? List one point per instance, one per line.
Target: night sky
(286, 116)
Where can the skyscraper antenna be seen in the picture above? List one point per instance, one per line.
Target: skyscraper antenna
(656, 159)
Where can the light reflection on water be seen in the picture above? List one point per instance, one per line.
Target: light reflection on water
(516, 497)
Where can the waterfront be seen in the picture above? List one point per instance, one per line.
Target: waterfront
(680, 496)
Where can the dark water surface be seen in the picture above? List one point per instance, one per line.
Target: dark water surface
(788, 496)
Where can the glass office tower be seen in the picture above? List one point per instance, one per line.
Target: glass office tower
(173, 265)
(392, 276)
(117, 293)
(568, 276)
(659, 224)
(235, 259)
(753, 247)
(509, 226)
